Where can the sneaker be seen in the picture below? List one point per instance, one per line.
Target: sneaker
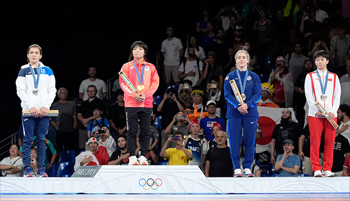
(328, 174)
(318, 173)
(41, 173)
(28, 172)
(133, 160)
(238, 173)
(143, 160)
(248, 173)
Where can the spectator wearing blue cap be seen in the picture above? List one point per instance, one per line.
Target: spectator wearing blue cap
(288, 164)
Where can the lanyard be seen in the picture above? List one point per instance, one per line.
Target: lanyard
(140, 78)
(323, 88)
(36, 80)
(244, 81)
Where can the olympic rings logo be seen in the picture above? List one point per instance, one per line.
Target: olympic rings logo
(150, 183)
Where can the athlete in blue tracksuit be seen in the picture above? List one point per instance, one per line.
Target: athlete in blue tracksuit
(36, 88)
(242, 116)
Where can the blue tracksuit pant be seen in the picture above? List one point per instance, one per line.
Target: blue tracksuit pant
(39, 127)
(235, 125)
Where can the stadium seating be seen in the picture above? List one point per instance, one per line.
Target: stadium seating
(65, 169)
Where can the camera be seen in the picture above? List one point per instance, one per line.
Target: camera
(33, 160)
(180, 116)
(170, 95)
(213, 86)
(175, 137)
(278, 65)
(186, 86)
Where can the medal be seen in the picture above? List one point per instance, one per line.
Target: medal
(35, 92)
(323, 87)
(36, 80)
(140, 87)
(242, 85)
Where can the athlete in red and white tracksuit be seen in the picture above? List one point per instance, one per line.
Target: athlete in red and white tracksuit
(319, 124)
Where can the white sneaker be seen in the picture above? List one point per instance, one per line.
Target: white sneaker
(248, 173)
(133, 160)
(238, 173)
(143, 160)
(328, 174)
(318, 173)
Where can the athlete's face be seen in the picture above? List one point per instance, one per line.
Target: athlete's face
(321, 63)
(138, 52)
(242, 59)
(34, 55)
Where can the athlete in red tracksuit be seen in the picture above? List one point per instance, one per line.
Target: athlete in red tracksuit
(139, 107)
(324, 87)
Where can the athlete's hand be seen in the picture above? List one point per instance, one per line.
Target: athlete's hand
(43, 112)
(243, 108)
(331, 115)
(34, 112)
(138, 98)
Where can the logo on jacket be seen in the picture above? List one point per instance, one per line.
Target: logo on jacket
(249, 78)
(43, 71)
(147, 68)
(226, 78)
(132, 67)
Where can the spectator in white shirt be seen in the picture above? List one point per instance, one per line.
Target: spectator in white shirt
(172, 51)
(12, 166)
(191, 69)
(320, 14)
(344, 119)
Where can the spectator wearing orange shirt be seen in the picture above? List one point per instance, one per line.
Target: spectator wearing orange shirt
(266, 97)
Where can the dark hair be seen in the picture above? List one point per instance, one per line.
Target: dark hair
(215, 78)
(140, 44)
(16, 146)
(179, 133)
(93, 87)
(345, 108)
(190, 45)
(187, 81)
(321, 53)
(123, 136)
(37, 46)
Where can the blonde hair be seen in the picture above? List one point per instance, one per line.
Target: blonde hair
(242, 51)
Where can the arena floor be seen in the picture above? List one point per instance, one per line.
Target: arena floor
(197, 197)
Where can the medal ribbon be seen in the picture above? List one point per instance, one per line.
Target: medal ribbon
(244, 81)
(137, 72)
(323, 88)
(36, 80)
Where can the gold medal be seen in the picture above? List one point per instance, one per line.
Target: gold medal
(140, 87)
(243, 96)
(323, 97)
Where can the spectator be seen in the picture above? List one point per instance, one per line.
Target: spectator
(214, 131)
(288, 164)
(321, 15)
(295, 61)
(220, 48)
(251, 13)
(266, 97)
(213, 68)
(85, 114)
(310, 29)
(218, 160)
(235, 44)
(172, 51)
(94, 154)
(92, 80)
(304, 150)
(116, 115)
(341, 151)
(262, 29)
(99, 128)
(286, 129)
(121, 156)
(201, 25)
(34, 161)
(213, 93)
(68, 121)
(346, 167)
(197, 110)
(344, 119)
(191, 68)
(208, 38)
(199, 147)
(184, 93)
(199, 51)
(178, 155)
(49, 153)
(207, 123)
(12, 166)
(339, 46)
(280, 34)
(116, 86)
(224, 16)
(319, 45)
(178, 124)
(282, 80)
(345, 86)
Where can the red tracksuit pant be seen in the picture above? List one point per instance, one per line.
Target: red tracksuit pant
(316, 126)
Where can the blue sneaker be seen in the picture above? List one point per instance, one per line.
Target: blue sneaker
(28, 172)
(41, 173)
